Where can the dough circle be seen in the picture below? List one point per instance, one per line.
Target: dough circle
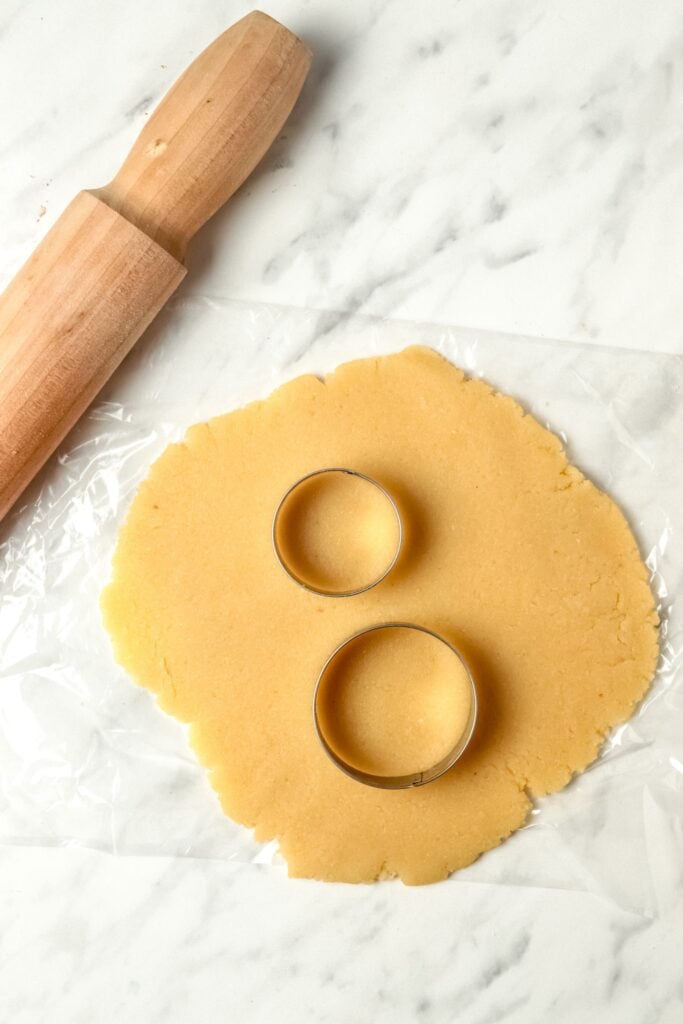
(509, 552)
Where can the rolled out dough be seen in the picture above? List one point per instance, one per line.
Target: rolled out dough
(509, 552)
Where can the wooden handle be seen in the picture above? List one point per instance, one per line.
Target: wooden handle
(111, 261)
(210, 131)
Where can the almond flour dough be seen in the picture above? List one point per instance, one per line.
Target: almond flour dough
(337, 532)
(509, 552)
(394, 702)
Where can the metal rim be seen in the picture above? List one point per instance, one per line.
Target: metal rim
(414, 779)
(305, 583)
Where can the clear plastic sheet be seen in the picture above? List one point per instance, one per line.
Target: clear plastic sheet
(86, 757)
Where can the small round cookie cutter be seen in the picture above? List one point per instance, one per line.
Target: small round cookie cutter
(413, 779)
(306, 584)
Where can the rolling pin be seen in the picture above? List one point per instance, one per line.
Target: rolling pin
(114, 257)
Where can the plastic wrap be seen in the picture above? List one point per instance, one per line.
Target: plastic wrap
(87, 757)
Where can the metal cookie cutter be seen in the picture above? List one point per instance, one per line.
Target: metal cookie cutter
(415, 778)
(307, 584)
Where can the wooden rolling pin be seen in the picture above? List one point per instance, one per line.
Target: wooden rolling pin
(111, 261)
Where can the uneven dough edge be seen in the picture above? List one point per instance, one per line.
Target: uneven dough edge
(153, 679)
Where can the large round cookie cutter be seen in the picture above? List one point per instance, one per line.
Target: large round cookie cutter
(413, 779)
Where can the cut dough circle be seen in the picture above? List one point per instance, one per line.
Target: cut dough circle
(509, 552)
(394, 701)
(337, 532)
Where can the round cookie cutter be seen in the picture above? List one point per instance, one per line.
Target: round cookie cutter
(306, 584)
(413, 779)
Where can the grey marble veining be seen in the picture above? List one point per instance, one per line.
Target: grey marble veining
(153, 940)
(510, 167)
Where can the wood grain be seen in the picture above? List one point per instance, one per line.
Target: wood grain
(69, 317)
(113, 258)
(212, 129)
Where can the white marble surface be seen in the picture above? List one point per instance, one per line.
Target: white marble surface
(510, 166)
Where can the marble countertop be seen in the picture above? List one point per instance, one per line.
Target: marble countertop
(513, 166)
